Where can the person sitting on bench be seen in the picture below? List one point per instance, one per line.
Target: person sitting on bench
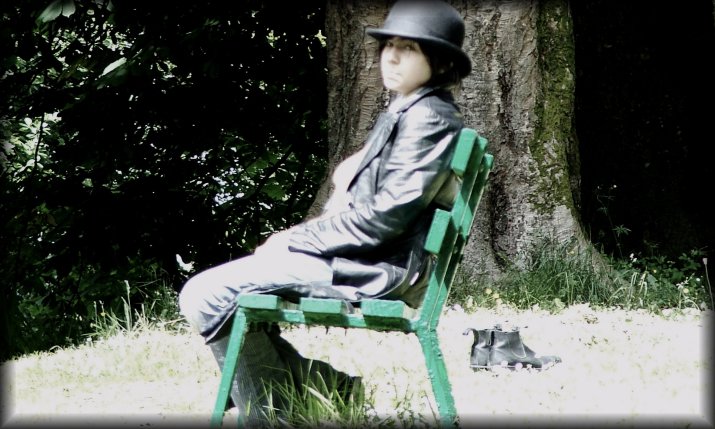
(368, 240)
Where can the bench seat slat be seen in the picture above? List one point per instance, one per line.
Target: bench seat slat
(323, 305)
(260, 301)
(386, 308)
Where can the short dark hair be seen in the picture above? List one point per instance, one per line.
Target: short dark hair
(444, 72)
(437, 59)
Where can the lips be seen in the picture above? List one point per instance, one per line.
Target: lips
(391, 76)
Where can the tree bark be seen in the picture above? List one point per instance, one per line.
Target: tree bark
(355, 92)
(520, 96)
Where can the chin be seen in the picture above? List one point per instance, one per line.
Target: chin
(395, 88)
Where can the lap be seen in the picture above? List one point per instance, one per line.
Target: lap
(265, 269)
(211, 294)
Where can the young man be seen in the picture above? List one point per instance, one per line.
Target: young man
(368, 240)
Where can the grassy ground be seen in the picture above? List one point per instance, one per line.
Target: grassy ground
(620, 368)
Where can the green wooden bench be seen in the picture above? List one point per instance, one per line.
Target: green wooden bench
(446, 238)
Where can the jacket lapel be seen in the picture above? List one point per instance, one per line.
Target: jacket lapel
(385, 126)
(376, 141)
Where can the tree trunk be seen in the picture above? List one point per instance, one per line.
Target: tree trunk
(355, 92)
(520, 96)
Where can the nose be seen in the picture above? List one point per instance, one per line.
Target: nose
(390, 53)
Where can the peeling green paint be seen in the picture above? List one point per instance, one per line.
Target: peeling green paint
(554, 106)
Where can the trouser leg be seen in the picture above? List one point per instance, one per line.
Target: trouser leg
(208, 299)
(269, 367)
(259, 367)
(312, 372)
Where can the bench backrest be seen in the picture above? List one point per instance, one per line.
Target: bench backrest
(449, 230)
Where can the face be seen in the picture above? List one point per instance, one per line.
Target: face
(403, 65)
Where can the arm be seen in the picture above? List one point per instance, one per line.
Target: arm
(414, 172)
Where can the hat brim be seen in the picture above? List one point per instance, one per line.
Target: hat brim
(462, 61)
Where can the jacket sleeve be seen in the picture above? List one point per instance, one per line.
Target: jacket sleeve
(414, 171)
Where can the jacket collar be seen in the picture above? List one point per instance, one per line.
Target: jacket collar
(386, 123)
(401, 103)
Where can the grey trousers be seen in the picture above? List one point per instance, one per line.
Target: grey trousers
(208, 298)
(207, 301)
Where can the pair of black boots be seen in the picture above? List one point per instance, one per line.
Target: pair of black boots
(497, 348)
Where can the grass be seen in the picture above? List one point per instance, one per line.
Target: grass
(617, 364)
(321, 401)
(162, 313)
(638, 326)
(559, 274)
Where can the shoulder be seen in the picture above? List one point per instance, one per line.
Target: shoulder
(435, 109)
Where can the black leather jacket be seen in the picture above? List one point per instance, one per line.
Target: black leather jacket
(375, 243)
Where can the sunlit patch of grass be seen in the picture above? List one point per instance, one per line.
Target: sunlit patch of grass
(157, 375)
(321, 402)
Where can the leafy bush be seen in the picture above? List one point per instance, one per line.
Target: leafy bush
(131, 132)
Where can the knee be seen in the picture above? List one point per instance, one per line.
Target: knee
(190, 299)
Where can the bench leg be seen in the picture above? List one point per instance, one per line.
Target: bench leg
(228, 372)
(437, 372)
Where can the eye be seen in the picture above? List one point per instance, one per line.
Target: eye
(412, 46)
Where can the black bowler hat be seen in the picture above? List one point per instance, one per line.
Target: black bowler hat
(432, 22)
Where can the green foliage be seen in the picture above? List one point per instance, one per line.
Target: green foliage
(136, 131)
(656, 282)
(158, 310)
(557, 275)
